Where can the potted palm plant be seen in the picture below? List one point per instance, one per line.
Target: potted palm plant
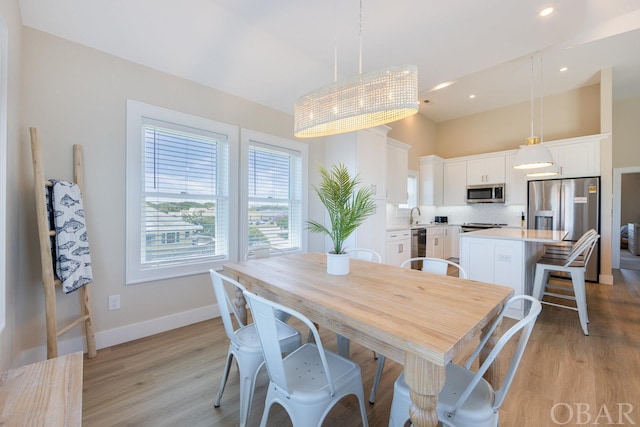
(347, 205)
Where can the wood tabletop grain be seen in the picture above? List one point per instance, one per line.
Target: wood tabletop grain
(389, 309)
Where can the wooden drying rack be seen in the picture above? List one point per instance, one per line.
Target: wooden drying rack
(48, 278)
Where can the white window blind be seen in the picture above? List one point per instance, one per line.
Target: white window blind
(178, 193)
(275, 179)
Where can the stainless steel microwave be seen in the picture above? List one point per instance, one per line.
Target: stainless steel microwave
(485, 193)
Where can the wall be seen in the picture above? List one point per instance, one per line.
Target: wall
(626, 130)
(566, 115)
(10, 340)
(77, 95)
(630, 206)
(419, 132)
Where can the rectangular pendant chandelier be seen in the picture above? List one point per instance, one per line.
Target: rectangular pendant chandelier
(360, 102)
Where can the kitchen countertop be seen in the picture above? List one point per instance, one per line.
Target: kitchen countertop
(527, 235)
(411, 227)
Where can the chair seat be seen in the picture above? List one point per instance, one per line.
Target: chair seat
(304, 372)
(289, 337)
(476, 411)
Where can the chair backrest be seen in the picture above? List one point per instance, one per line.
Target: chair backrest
(584, 248)
(524, 326)
(264, 319)
(436, 265)
(365, 254)
(259, 252)
(225, 303)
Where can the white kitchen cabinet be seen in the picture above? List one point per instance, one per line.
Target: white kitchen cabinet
(431, 180)
(577, 159)
(515, 183)
(485, 170)
(452, 241)
(398, 247)
(455, 183)
(435, 242)
(364, 152)
(496, 261)
(397, 171)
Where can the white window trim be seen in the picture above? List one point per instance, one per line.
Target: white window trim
(136, 111)
(246, 136)
(4, 69)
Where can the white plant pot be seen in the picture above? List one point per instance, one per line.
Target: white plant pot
(337, 264)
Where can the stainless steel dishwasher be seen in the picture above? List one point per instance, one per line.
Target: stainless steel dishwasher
(418, 246)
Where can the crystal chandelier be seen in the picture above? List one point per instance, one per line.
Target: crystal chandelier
(533, 155)
(360, 102)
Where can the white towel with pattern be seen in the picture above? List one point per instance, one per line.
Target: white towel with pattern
(73, 261)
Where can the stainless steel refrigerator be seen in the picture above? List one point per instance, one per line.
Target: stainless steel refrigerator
(567, 204)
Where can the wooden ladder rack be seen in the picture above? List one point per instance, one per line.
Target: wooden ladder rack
(48, 277)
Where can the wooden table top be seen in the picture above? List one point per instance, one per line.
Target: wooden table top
(47, 393)
(389, 309)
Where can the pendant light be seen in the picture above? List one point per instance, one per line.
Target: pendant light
(533, 155)
(359, 102)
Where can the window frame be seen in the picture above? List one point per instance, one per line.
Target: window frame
(137, 113)
(247, 139)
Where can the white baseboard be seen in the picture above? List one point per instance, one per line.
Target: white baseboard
(126, 333)
(606, 279)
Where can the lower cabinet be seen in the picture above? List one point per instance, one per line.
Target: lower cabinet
(398, 247)
(435, 242)
(452, 241)
(495, 261)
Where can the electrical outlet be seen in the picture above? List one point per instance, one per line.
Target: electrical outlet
(114, 302)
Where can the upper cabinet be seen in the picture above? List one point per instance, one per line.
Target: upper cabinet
(455, 183)
(577, 157)
(486, 170)
(431, 180)
(515, 183)
(363, 152)
(397, 171)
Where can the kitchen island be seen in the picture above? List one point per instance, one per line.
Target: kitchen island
(505, 256)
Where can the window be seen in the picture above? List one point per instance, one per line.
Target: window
(412, 191)
(274, 203)
(179, 193)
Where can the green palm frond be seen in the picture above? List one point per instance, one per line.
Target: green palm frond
(347, 208)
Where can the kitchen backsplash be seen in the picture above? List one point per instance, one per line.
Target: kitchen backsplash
(481, 212)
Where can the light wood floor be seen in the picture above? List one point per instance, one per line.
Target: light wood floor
(170, 379)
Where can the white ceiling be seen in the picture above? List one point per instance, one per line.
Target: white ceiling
(274, 51)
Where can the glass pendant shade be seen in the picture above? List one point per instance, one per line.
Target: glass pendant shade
(360, 102)
(545, 171)
(533, 155)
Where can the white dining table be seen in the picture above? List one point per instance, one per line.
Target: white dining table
(418, 319)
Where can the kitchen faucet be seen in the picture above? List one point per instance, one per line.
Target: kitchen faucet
(411, 214)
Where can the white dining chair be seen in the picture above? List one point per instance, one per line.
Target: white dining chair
(308, 382)
(467, 399)
(244, 344)
(575, 264)
(365, 254)
(436, 265)
(429, 265)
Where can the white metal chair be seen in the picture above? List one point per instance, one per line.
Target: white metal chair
(563, 249)
(265, 251)
(430, 265)
(436, 265)
(467, 399)
(308, 382)
(365, 254)
(575, 263)
(244, 345)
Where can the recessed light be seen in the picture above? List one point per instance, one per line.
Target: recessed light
(546, 11)
(442, 85)
(472, 96)
(563, 69)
